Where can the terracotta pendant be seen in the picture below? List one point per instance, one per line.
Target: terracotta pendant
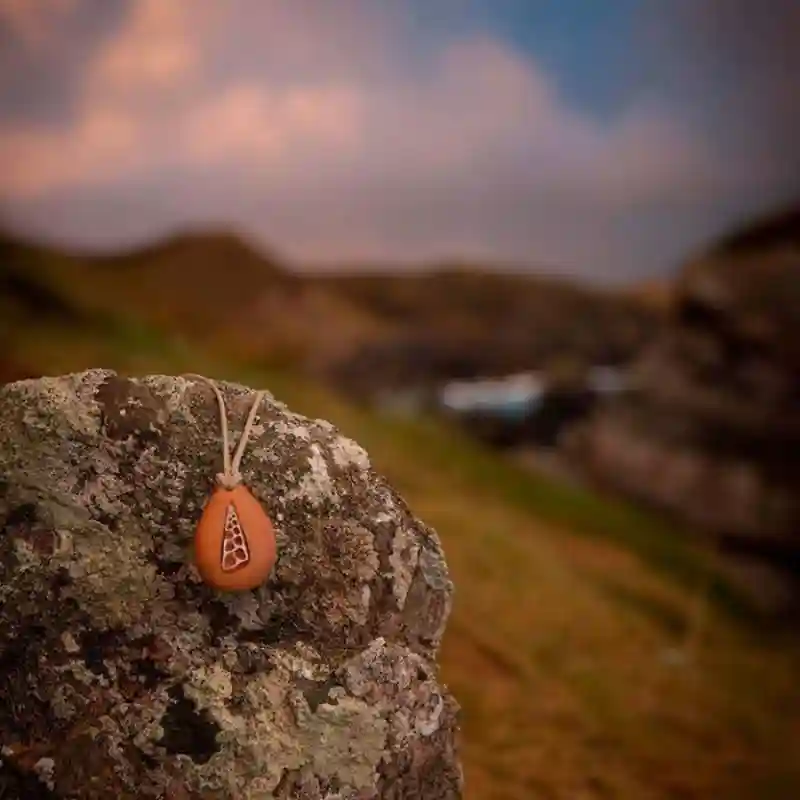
(234, 543)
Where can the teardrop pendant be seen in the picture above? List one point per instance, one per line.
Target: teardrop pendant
(234, 544)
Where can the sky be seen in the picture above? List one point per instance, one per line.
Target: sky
(605, 141)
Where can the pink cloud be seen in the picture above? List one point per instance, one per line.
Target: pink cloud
(158, 47)
(102, 147)
(248, 125)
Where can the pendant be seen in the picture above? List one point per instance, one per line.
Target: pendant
(234, 544)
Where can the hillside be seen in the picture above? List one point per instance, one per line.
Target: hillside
(450, 322)
(581, 647)
(779, 227)
(361, 332)
(657, 294)
(211, 288)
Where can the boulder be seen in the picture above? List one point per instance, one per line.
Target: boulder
(123, 675)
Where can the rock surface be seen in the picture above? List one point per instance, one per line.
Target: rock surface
(124, 676)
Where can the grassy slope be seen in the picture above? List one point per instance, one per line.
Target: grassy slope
(565, 608)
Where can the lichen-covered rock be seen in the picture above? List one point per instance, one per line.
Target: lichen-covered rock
(122, 675)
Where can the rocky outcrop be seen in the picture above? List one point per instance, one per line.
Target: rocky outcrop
(122, 675)
(713, 430)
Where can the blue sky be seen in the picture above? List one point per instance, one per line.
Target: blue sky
(605, 140)
(586, 45)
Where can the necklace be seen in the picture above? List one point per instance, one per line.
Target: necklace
(234, 543)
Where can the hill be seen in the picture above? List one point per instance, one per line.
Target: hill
(777, 228)
(211, 288)
(655, 294)
(363, 332)
(580, 647)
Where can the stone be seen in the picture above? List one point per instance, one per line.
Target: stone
(123, 675)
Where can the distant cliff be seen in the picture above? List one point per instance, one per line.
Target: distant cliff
(713, 431)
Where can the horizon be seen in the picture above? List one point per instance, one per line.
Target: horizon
(366, 269)
(600, 145)
(275, 259)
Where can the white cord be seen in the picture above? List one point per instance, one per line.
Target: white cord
(230, 477)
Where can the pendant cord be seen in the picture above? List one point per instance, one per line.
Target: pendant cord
(230, 477)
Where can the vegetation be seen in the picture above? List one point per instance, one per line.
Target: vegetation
(579, 648)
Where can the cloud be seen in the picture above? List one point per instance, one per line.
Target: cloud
(252, 126)
(323, 134)
(153, 50)
(156, 50)
(100, 148)
(34, 24)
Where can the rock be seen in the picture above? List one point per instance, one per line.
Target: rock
(124, 676)
(713, 431)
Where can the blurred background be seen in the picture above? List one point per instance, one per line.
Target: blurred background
(541, 258)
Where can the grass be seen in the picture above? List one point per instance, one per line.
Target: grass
(570, 611)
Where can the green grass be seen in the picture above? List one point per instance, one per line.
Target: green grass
(567, 604)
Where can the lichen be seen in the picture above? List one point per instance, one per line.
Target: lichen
(316, 486)
(403, 560)
(45, 768)
(274, 730)
(112, 578)
(348, 453)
